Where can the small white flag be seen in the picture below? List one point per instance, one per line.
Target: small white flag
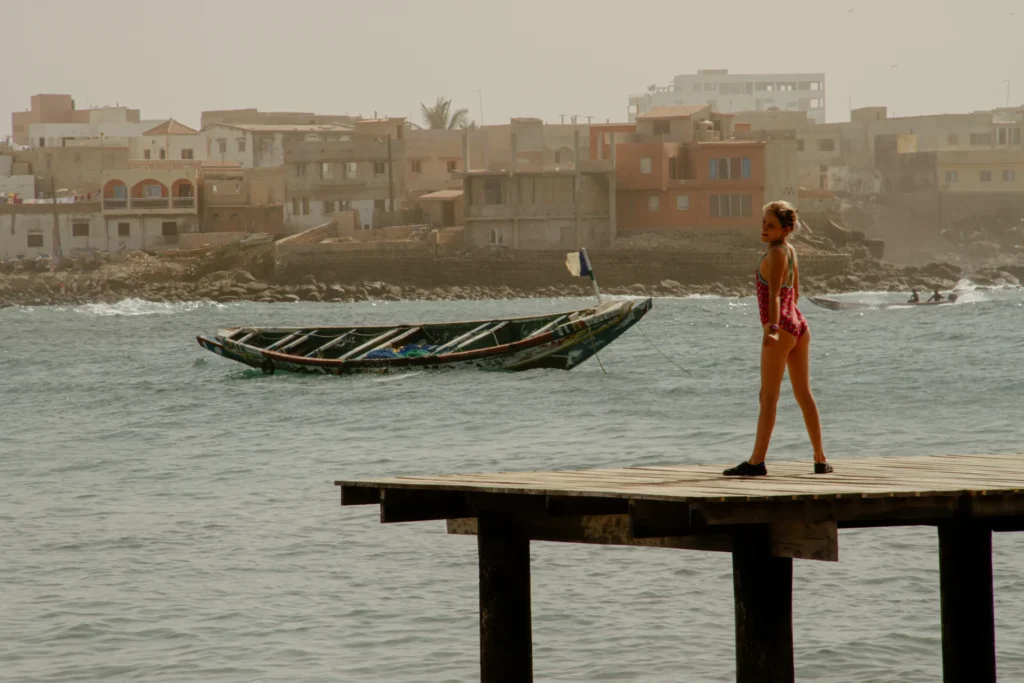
(578, 263)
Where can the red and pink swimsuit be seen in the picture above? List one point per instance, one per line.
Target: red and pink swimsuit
(790, 318)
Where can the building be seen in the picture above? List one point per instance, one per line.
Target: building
(260, 145)
(20, 185)
(732, 93)
(78, 170)
(151, 207)
(683, 168)
(532, 204)
(61, 109)
(168, 140)
(243, 200)
(366, 173)
(274, 118)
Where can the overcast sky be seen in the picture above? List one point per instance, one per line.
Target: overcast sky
(529, 57)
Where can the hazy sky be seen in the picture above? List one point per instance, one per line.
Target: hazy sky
(529, 57)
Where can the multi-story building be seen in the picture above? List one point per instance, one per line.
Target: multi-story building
(61, 109)
(169, 140)
(683, 168)
(732, 93)
(75, 169)
(150, 207)
(532, 204)
(243, 200)
(365, 173)
(261, 145)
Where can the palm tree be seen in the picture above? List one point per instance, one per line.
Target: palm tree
(440, 116)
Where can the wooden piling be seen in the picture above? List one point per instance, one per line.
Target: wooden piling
(968, 614)
(763, 593)
(506, 641)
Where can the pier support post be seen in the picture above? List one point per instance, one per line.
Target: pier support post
(506, 642)
(968, 615)
(763, 592)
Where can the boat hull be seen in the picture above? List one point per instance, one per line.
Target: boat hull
(834, 305)
(563, 348)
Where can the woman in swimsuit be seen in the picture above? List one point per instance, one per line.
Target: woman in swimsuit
(786, 342)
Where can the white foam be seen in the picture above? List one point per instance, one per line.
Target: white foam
(131, 307)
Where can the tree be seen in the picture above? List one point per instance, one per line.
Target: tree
(441, 116)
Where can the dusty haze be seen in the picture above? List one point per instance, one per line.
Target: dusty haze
(530, 57)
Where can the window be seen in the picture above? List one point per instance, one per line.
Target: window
(163, 153)
(762, 86)
(493, 191)
(733, 88)
(300, 170)
(222, 145)
(674, 168)
(725, 169)
(305, 206)
(124, 230)
(152, 191)
(645, 164)
(682, 202)
(295, 206)
(186, 154)
(416, 166)
(1015, 136)
(35, 239)
(985, 176)
(1009, 176)
(826, 145)
(169, 228)
(662, 127)
(79, 229)
(745, 172)
(952, 176)
(241, 144)
(326, 171)
(822, 168)
(1003, 136)
(953, 140)
(378, 205)
(497, 236)
(709, 86)
(452, 166)
(380, 167)
(350, 170)
(726, 205)
(799, 145)
(146, 154)
(328, 207)
(981, 138)
(654, 203)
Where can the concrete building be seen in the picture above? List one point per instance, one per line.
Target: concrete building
(79, 170)
(151, 205)
(61, 109)
(168, 140)
(535, 205)
(243, 200)
(258, 145)
(365, 173)
(20, 186)
(732, 93)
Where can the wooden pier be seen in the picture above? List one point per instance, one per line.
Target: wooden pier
(764, 522)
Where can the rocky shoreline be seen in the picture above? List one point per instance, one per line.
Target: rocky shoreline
(162, 282)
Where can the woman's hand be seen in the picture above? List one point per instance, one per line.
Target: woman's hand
(770, 336)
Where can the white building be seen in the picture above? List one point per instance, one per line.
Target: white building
(169, 140)
(87, 134)
(262, 145)
(733, 93)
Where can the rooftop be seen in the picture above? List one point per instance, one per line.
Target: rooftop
(674, 112)
(441, 195)
(171, 127)
(287, 127)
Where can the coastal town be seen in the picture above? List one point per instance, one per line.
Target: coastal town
(103, 203)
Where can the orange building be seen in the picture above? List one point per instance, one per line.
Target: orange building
(680, 171)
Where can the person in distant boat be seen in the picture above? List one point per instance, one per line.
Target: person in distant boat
(953, 296)
(915, 298)
(935, 297)
(785, 343)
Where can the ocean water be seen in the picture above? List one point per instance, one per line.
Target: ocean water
(168, 515)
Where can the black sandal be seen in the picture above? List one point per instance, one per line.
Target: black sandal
(745, 469)
(822, 468)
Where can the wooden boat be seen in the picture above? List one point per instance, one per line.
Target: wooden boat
(833, 305)
(561, 341)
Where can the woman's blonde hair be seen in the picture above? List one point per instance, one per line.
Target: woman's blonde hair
(785, 212)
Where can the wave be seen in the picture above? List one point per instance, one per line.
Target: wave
(131, 307)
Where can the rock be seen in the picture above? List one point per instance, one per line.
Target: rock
(289, 297)
(243, 277)
(309, 280)
(257, 287)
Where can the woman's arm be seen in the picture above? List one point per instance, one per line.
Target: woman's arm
(776, 262)
(796, 277)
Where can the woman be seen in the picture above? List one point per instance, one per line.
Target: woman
(786, 342)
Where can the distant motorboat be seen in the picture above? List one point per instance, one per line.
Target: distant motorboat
(833, 305)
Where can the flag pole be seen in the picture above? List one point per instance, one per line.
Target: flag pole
(590, 269)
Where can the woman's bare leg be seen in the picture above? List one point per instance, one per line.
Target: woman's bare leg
(799, 364)
(773, 368)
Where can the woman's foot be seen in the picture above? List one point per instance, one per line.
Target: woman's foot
(822, 468)
(745, 469)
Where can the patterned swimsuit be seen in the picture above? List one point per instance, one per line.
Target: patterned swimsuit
(790, 318)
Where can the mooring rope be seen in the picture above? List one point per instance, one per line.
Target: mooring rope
(640, 327)
(593, 347)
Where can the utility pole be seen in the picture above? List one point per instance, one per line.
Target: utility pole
(480, 94)
(55, 258)
(391, 179)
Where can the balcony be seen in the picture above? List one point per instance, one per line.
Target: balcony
(183, 202)
(114, 204)
(150, 203)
